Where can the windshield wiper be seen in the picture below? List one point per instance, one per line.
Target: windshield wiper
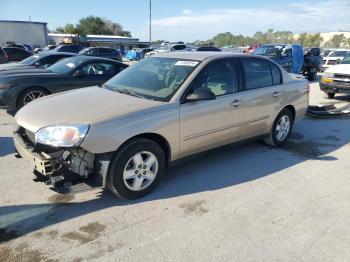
(128, 92)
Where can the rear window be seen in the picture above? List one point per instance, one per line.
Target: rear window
(257, 73)
(106, 51)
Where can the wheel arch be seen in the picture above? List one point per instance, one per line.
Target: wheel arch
(26, 89)
(157, 138)
(291, 108)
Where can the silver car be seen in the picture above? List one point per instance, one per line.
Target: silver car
(122, 136)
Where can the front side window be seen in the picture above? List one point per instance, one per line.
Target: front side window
(257, 73)
(339, 53)
(65, 66)
(156, 78)
(220, 77)
(99, 69)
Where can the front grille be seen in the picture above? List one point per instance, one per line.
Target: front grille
(342, 76)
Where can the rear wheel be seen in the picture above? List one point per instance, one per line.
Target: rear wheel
(136, 169)
(281, 129)
(330, 95)
(30, 95)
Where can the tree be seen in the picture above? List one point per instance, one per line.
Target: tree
(93, 25)
(222, 39)
(336, 41)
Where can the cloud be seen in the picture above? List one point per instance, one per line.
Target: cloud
(187, 11)
(327, 15)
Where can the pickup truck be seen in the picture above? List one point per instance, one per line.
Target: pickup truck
(293, 59)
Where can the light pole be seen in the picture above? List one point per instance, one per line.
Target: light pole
(150, 22)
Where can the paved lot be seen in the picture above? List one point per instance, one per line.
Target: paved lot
(247, 203)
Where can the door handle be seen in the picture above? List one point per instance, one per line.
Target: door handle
(276, 94)
(236, 103)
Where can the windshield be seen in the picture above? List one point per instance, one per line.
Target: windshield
(29, 60)
(155, 78)
(346, 59)
(270, 51)
(65, 66)
(338, 53)
(82, 52)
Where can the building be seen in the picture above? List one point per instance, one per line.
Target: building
(120, 42)
(23, 32)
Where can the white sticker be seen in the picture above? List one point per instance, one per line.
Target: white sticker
(71, 65)
(35, 56)
(186, 63)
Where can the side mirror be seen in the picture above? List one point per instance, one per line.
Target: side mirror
(200, 94)
(37, 64)
(79, 73)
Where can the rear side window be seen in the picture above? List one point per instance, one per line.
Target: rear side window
(276, 74)
(257, 73)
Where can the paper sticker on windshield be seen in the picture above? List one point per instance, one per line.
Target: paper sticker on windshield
(71, 65)
(186, 63)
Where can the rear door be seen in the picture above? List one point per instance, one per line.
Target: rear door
(211, 123)
(263, 95)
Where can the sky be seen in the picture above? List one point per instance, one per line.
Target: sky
(181, 20)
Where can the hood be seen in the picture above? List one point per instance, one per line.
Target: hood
(339, 69)
(26, 72)
(83, 106)
(6, 67)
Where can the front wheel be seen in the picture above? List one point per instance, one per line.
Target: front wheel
(136, 169)
(281, 129)
(30, 95)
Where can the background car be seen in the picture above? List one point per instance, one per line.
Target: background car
(336, 79)
(24, 47)
(68, 48)
(19, 87)
(3, 56)
(105, 52)
(208, 48)
(334, 58)
(41, 60)
(16, 54)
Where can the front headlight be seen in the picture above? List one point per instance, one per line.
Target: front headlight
(61, 136)
(328, 75)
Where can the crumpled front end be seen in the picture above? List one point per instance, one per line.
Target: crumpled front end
(67, 170)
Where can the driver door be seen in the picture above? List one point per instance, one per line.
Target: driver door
(210, 123)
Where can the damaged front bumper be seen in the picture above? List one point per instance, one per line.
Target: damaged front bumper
(67, 170)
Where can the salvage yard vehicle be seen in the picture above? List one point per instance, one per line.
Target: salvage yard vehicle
(166, 49)
(105, 52)
(19, 87)
(292, 58)
(42, 60)
(336, 79)
(333, 58)
(161, 109)
(15, 54)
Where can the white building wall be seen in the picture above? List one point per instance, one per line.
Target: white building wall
(34, 34)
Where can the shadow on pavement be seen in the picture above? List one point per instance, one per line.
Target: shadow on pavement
(6, 146)
(225, 167)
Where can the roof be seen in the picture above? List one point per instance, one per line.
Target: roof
(25, 22)
(200, 55)
(50, 52)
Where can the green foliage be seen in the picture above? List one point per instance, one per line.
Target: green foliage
(310, 40)
(93, 25)
(338, 41)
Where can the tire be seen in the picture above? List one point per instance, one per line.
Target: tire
(330, 95)
(37, 93)
(274, 138)
(123, 165)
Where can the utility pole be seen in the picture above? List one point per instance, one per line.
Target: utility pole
(150, 22)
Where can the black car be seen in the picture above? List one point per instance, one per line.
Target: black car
(68, 48)
(3, 56)
(105, 52)
(19, 87)
(42, 60)
(208, 48)
(16, 54)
